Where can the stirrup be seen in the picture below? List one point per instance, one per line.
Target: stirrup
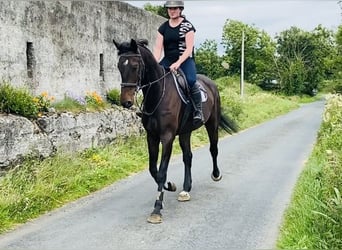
(198, 117)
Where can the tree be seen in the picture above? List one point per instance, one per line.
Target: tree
(208, 62)
(337, 62)
(259, 51)
(310, 52)
(156, 9)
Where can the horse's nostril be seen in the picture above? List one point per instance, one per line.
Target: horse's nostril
(127, 104)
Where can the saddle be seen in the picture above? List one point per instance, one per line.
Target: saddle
(183, 89)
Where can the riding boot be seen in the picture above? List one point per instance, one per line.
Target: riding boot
(197, 103)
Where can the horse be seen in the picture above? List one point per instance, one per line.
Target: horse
(165, 114)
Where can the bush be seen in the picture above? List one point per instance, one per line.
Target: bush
(17, 101)
(113, 96)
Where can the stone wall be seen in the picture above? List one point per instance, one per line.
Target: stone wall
(63, 47)
(66, 46)
(65, 132)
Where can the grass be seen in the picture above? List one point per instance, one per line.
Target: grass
(314, 218)
(38, 186)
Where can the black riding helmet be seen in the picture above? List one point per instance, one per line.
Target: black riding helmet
(170, 4)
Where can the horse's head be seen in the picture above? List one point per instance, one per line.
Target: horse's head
(131, 67)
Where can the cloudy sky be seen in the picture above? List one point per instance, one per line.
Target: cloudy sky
(272, 16)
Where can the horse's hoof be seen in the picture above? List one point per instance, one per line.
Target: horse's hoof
(216, 178)
(183, 196)
(155, 219)
(171, 187)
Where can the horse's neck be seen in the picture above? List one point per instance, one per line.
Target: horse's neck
(155, 84)
(154, 72)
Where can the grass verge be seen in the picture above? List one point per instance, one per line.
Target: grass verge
(314, 217)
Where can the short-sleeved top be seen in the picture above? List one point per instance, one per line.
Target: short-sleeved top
(174, 39)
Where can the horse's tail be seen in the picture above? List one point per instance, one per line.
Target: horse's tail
(228, 124)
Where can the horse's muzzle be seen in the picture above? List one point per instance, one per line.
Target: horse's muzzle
(127, 104)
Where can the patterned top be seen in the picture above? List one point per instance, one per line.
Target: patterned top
(174, 39)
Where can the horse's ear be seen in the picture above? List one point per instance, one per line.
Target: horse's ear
(134, 45)
(116, 44)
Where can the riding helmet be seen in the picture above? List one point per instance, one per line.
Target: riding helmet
(170, 4)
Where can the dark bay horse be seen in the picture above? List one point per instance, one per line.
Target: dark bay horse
(165, 115)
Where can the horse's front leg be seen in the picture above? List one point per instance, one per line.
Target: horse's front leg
(153, 151)
(184, 141)
(156, 216)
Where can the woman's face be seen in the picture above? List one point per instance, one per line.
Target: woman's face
(174, 12)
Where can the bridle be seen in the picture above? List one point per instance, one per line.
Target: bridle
(138, 86)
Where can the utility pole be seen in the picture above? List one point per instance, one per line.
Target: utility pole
(242, 63)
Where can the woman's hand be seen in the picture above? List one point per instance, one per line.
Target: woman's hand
(175, 66)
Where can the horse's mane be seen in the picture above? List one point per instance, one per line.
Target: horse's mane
(139, 46)
(125, 47)
(142, 42)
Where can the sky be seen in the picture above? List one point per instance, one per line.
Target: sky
(272, 16)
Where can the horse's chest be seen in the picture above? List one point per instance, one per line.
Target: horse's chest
(160, 122)
(150, 124)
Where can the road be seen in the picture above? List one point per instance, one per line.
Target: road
(260, 167)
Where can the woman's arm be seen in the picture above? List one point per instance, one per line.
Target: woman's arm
(158, 47)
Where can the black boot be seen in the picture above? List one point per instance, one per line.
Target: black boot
(197, 103)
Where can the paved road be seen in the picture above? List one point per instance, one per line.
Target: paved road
(243, 211)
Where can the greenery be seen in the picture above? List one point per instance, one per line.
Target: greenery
(156, 9)
(259, 51)
(210, 63)
(297, 61)
(113, 96)
(37, 186)
(305, 59)
(314, 218)
(69, 104)
(20, 101)
(17, 101)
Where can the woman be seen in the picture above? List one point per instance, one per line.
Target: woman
(176, 39)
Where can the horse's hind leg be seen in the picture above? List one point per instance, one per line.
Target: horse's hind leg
(184, 141)
(212, 130)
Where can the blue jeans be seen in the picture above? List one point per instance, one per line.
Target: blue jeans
(188, 67)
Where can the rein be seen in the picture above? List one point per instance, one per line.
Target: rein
(141, 107)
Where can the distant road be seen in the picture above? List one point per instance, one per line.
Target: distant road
(243, 211)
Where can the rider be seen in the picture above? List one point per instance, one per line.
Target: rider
(175, 38)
